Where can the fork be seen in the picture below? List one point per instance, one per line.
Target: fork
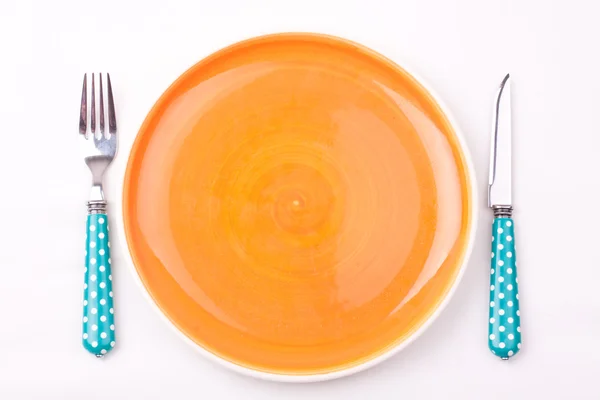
(99, 149)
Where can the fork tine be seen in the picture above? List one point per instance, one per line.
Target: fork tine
(83, 107)
(112, 120)
(93, 112)
(101, 107)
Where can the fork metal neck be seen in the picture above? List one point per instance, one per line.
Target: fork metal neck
(97, 203)
(96, 193)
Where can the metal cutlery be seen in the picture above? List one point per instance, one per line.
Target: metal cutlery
(99, 147)
(504, 338)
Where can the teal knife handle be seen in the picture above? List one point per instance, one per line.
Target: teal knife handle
(504, 336)
(98, 312)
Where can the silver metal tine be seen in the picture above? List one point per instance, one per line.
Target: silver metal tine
(93, 113)
(112, 119)
(101, 107)
(83, 107)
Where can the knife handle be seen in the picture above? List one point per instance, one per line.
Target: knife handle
(504, 338)
(98, 312)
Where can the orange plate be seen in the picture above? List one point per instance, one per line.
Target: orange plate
(297, 204)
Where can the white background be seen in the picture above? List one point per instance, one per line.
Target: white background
(461, 47)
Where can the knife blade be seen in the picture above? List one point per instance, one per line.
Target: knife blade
(500, 183)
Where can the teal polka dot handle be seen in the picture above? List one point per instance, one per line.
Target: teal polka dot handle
(505, 317)
(98, 312)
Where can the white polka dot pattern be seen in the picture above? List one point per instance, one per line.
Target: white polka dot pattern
(504, 318)
(98, 319)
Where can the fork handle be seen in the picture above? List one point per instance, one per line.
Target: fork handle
(98, 312)
(505, 317)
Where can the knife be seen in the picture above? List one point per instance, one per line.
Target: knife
(504, 334)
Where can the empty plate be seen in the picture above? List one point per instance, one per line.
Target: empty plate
(298, 206)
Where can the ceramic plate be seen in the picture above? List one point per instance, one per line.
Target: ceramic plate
(298, 206)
